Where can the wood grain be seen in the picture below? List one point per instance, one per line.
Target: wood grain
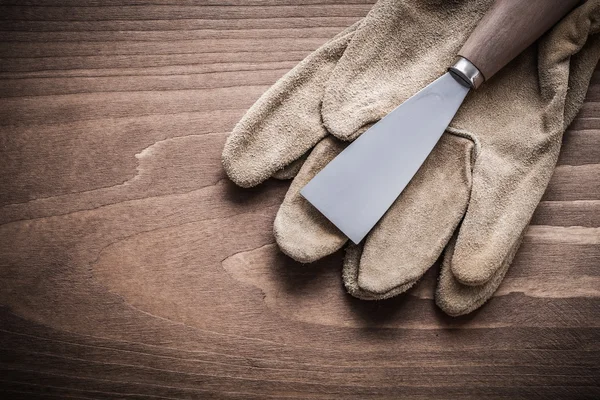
(130, 267)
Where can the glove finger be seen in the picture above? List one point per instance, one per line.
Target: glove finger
(574, 46)
(301, 231)
(401, 47)
(350, 277)
(413, 233)
(291, 170)
(503, 199)
(285, 122)
(456, 299)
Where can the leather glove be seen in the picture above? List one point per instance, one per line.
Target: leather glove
(478, 189)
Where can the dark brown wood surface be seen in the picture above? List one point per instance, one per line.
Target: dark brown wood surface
(130, 267)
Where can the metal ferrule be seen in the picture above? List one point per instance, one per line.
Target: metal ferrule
(467, 72)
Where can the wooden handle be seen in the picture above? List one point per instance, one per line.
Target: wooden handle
(508, 28)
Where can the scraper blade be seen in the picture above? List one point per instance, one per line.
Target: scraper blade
(358, 186)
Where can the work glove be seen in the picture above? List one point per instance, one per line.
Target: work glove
(477, 190)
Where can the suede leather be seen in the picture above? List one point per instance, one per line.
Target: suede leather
(473, 198)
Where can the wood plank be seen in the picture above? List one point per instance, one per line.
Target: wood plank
(130, 267)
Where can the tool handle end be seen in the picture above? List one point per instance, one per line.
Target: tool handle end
(508, 28)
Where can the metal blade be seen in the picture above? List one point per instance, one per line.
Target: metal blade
(358, 186)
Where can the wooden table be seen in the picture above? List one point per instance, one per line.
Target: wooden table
(130, 267)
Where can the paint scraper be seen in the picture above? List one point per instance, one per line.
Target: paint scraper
(358, 186)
